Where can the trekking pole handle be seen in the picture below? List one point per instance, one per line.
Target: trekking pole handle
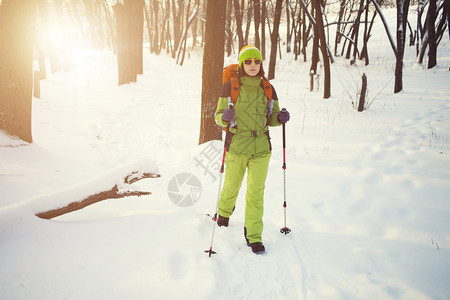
(230, 106)
(222, 168)
(284, 141)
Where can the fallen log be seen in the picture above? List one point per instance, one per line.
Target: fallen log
(105, 195)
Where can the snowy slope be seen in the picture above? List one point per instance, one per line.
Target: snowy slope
(368, 193)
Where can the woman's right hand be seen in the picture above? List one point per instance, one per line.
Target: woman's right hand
(228, 115)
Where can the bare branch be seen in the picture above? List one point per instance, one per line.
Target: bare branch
(113, 193)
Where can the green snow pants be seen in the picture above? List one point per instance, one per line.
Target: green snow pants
(236, 165)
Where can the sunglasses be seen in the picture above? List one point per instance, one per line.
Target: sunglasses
(249, 61)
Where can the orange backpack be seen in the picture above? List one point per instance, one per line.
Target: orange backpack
(229, 73)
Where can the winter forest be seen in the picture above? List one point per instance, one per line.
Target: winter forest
(60, 30)
(110, 154)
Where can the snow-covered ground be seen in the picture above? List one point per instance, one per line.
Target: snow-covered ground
(368, 193)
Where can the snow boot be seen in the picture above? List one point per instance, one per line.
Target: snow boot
(257, 248)
(222, 221)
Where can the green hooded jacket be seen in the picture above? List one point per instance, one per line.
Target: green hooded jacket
(249, 133)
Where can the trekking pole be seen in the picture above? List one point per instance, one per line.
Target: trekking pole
(222, 168)
(284, 230)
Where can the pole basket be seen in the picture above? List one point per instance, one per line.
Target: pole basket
(285, 230)
(211, 252)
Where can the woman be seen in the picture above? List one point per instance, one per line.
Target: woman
(248, 144)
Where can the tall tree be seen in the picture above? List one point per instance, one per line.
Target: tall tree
(274, 39)
(432, 48)
(155, 46)
(431, 32)
(177, 15)
(323, 48)
(402, 13)
(305, 32)
(314, 51)
(398, 85)
(238, 16)
(17, 18)
(228, 28)
(263, 29)
(257, 14)
(356, 30)
(189, 21)
(248, 20)
(129, 32)
(289, 12)
(338, 27)
(367, 34)
(212, 69)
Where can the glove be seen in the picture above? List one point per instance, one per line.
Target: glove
(228, 115)
(283, 116)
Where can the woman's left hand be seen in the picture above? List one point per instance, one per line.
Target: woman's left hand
(283, 116)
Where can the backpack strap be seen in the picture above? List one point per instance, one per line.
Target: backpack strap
(267, 87)
(235, 89)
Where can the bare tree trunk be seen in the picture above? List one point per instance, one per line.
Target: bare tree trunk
(238, 15)
(129, 27)
(447, 10)
(420, 34)
(442, 24)
(185, 33)
(165, 30)
(155, 42)
(362, 96)
(365, 36)
(305, 34)
(228, 31)
(405, 20)
(122, 42)
(257, 13)
(367, 31)
(297, 33)
(323, 48)
(139, 36)
(288, 30)
(182, 44)
(17, 18)
(338, 27)
(274, 39)
(432, 48)
(398, 85)
(352, 42)
(249, 21)
(315, 51)
(263, 29)
(212, 69)
(149, 27)
(422, 48)
(177, 23)
(194, 27)
(356, 29)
